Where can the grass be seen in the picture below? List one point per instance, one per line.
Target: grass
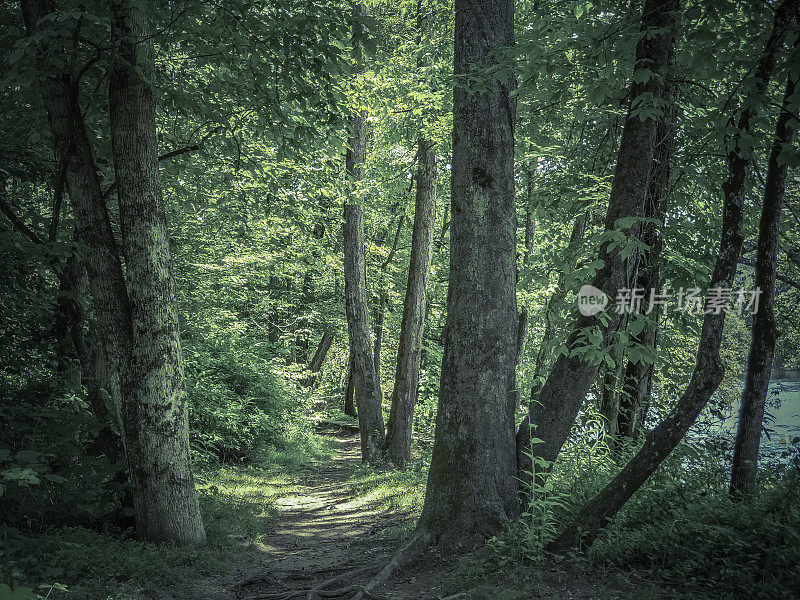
(238, 507)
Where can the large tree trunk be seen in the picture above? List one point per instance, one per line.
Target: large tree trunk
(565, 389)
(762, 348)
(154, 410)
(404, 393)
(708, 371)
(472, 487)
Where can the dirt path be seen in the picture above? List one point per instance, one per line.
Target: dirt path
(322, 532)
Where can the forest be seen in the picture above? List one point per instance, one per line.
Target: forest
(399, 299)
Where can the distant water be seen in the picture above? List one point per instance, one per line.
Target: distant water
(781, 421)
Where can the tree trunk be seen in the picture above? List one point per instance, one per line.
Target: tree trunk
(708, 371)
(383, 297)
(75, 363)
(404, 393)
(637, 384)
(154, 410)
(565, 389)
(319, 357)
(368, 394)
(522, 325)
(555, 301)
(349, 394)
(472, 487)
(762, 348)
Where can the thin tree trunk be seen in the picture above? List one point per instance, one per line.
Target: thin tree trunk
(319, 356)
(762, 348)
(368, 395)
(383, 297)
(637, 384)
(569, 380)
(555, 301)
(404, 393)
(154, 411)
(350, 391)
(708, 371)
(472, 487)
(522, 325)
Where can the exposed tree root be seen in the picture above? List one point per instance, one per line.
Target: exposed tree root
(404, 556)
(319, 590)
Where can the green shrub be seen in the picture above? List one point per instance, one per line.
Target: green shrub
(237, 407)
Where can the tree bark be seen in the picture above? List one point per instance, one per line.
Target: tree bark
(154, 411)
(472, 487)
(565, 389)
(637, 384)
(350, 391)
(404, 393)
(708, 371)
(319, 357)
(762, 348)
(368, 395)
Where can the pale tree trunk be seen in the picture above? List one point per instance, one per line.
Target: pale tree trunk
(404, 393)
(762, 348)
(708, 371)
(472, 488)
(154, 410)
(570, 378)
(368, 393)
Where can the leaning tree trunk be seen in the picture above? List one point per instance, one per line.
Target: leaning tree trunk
(154, 412)
(762, 348)
(93, 225)
(565, 389)
(404, 393)
(321, 352)
(472, 487)
(708, 371)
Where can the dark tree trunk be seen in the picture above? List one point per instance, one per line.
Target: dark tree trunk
(319, 357)
(350, 391)
(154, 411)
(708, 371)
(565, 389)
(472, 487)
(71, 328)
(762, 348)
(404, 393)
(637, 384)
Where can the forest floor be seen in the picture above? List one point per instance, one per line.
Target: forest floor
(332, 520)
